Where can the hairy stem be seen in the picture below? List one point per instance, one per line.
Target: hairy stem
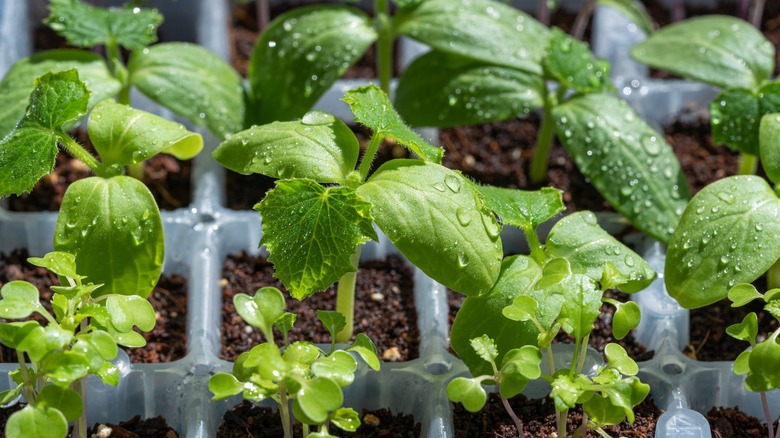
(345, 300)
(368, 156)
(384, 44)
(284, 410)
(79, 152)
(29, 385)
(748, 164)
(511, 412)
(538, 170)
(581, 21)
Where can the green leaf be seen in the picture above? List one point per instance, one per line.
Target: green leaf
(373, 108)
(485, 348)
(319, 147)
(722, 51)
(332, 320)
(434, 216)
(124, 135)
(581, 306)
(19, 81)
(571, 63)
(87, 26)
(339, 367)
(469, 392)
(13, 333)
(521, 208)
(64, 400)
(764, 362)
(487, 31)
(554, 273)
(519, 366)
(9, 395)
(735, 120)
(123, 225)
(300, 55)
(464, 91)
(130, 310)
(193, 82)
(38, 341)
(633, 10)
(729, 234)
(742, 294)
(625, 319)
(567, 390)
(346, 419)
(579, 239)
(224, 385)
(312, 231)
(65, 367)
(129, 339)
(366, 350)
(481, 315)
(20, 299)
(523, 308)
(618, 359)
(71, 292)
(40, 422)
(29, 152)
(302, 353)
(628, 162)
(773, 307)
(285, 322)
(262, 309)
(108, 373)
(747, 330)
(602, 412)
(316, 399)
(742, 363)
(769, 146)
(60, 263)
(103, 344)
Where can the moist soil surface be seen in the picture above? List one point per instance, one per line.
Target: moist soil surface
(538, 417)
(166, 177)
(246, 421)
(384, 307)
(733, 423)
(165, 343)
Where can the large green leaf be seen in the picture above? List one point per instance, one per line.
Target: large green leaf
(436, 219)
(319, 147)
(124, 135)
(482, 315)
(718, 50)
(372, 107)
(29, 152)
(193, 82)
(626, 160)
(729, 234)
(300, 55)
(579, 239)
(120, 243)
(464, 91)
(86, 26)
(570, 62)
(769, 140)
(43, 422)
(735, 120)
(312, 231)
(64, 400)
(18, 83)
(484, 30)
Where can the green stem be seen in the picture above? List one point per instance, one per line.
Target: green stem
(79, 152)
(511, 412)
(305, 429)
(583, 353)
(368, 156)
(384, 44)
(538, 170)
(550, 363)
(284, 410)
(136, 170)
(601, 432)
(29, 386)
(345, 300)
(562, 415)
(748, 164)
(767, 415)
(537, 250)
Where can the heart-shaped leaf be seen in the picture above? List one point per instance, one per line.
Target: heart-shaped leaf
(469, 392)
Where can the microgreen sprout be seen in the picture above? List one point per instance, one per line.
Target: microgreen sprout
(307, 376)
(78, 339)
(558, 286)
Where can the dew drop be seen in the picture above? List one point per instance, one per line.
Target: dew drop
(452, 182)
(315, 118)
(463, 260)
(440, 187)
(464, 217)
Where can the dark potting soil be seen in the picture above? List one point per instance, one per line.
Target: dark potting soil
(244, 33)
(384, 307)
(135, 428)
(538, 420)
(733, 423)
(244, 191)
(247, 421)
(166, 342)
(166, 177)
(599, 337)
